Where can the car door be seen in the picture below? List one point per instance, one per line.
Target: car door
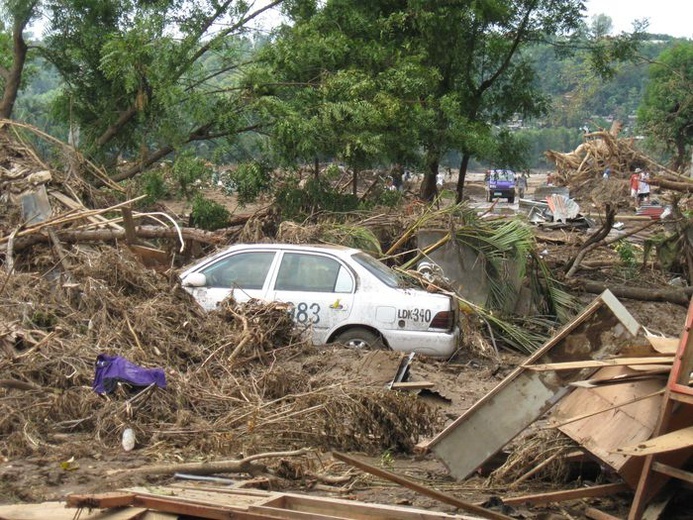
(244, 273)
(319, 287)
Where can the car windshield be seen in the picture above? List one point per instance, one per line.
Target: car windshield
(382, 272)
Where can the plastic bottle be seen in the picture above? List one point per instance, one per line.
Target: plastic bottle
(129, 440)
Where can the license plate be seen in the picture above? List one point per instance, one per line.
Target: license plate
(497, 193)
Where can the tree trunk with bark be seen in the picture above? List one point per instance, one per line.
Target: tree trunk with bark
(428, 185)
(464, 164)
(655, 294)
(13, 75)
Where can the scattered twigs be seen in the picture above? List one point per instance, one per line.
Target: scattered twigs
(93, 168)
(9, 252)
(245, 338)
(20, 385)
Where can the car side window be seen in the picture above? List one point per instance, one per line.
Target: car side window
(243, 270)
(312, 273)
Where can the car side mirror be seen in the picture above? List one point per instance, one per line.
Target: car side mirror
(194, 280)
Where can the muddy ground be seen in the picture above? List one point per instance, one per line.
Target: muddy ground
(57, 470)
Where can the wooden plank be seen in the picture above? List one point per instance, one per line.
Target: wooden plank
(272, 512)
(603, 328)
(58, 511)
(658, 372)
(321, 508)
(151, 256)
(568, 494)
(412, 385)
(158, 515)
(655, 508)
(100, 500)
(596, 514)
(663, 345)
(671, 471)
(76, 205)
(598, 363)
(443, 497)
(604, 418)
(177, 506)
(674, 415)
(671, 441)
(228, 501)
(651, 368)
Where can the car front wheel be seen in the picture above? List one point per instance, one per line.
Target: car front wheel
(359, 337)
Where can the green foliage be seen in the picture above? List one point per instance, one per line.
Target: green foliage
(209, 215)
(250, 180)
(386, 459)
(44, 320)
(626, 253)
(135, 90)
(389, 198)
(299, 203)
(154, 186)
(666, 111)
(391, 81)
(187, 171)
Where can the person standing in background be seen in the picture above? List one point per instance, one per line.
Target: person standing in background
(634, 185)
(521, 185)
(643, 187)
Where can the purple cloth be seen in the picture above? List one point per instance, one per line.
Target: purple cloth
(111, 370)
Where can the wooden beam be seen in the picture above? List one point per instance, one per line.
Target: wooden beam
(174, 505)
(412, 385)
(569, 494)
(671, 471)
(129, 222)
(598, 363)
(442, 497)
(100, 500)
(658, 372)
(596, 514)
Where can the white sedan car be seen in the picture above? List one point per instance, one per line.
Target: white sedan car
(342, 294)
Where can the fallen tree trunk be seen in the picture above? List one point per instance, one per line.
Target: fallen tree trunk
(677, 296)
(110, 235)
(683, 187)
(244, 465)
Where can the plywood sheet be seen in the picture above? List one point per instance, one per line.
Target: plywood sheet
(602, 329)
(602, 433)
(676, 440)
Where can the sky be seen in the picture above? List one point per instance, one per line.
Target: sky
(665, 16)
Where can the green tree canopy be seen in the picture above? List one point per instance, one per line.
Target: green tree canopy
(413, 77)
(144, 79)
(666, 112)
